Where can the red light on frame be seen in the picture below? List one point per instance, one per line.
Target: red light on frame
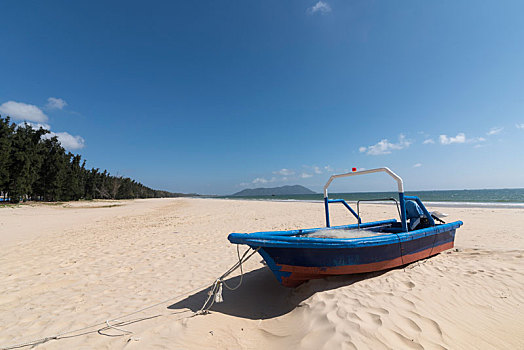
(353, 169)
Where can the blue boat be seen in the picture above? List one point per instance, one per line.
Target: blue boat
(296, 256)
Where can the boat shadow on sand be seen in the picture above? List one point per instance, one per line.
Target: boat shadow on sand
(261, 297)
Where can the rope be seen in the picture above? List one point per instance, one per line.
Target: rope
(62, 334)
(241, 270)
(214, 295)
(124, 331)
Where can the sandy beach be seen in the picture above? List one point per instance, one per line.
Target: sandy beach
(71, 265)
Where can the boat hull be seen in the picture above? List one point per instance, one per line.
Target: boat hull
(293, 263)
(292, 275)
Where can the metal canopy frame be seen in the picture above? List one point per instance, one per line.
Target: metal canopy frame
(400, 186)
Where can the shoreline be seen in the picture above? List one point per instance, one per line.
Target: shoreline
(118, 202)
(487, 205)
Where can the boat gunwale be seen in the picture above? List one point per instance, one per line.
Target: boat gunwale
(288, 239)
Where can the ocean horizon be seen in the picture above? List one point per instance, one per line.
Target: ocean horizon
(497, 197)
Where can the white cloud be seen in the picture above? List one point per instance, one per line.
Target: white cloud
(428, 141)
(460, 138)
(386, 147)
(320, 7)
(259, 180)
(418, 165)
(284, 172)
(316, 170)
(494, 131)
(22, 111)
(305, 175)
(55, 103)
(519, 126)
(445, 140)
(67, 140)
(33, 116)
(37, 125)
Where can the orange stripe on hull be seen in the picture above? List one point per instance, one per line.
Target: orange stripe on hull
(300, 274)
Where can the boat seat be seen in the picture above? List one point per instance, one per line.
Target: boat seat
(414, 214)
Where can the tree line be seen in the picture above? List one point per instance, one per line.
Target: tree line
(36, 167)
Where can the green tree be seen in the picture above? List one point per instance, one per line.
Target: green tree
(24, 161)
(37, 167)
(73, 185)
(6, 132)
(52, 171)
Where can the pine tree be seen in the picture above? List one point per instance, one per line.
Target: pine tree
(36, 167)
(6, 132)
(52, 171)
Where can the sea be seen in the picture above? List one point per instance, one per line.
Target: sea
(505, 197)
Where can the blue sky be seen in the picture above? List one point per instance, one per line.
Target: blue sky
(213, 97)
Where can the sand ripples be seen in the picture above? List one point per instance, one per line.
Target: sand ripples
(106, 265)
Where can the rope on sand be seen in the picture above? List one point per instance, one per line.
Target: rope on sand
(215, 293)
(214, 296)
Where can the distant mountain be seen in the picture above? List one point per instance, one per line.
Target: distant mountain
(274, 191)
